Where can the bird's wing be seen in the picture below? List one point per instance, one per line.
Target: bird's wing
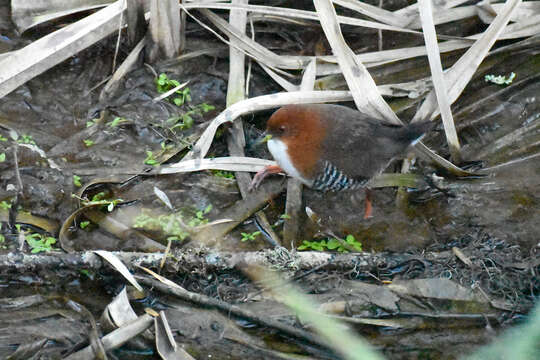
(359, 145)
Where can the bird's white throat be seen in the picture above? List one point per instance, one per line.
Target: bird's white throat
(279, 151)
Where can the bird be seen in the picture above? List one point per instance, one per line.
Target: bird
(333, 147)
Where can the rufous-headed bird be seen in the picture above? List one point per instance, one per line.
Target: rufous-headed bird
(333, 147)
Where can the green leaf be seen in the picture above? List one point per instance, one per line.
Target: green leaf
(5, 205)
(333, 244)
(2, 157)
(88, 142)
(77, 181)
(205, 107)
(116, 121)
(84, 224)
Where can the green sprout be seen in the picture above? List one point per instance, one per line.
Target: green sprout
(99, 199)
(150, 160)
(177, 225)
(185, 121)
(77, 180)
(2, 157)
(88, 142)
(164, 84)
(332, 244)
(3, 139)
(500, 79)
(84, 224)
(249, 236)
(4, 205)
(116, 122)
(285, 216)
(39, 242)
(165, 146)
(199, 218)
(91, 123)
(223, 174)
(26, 139)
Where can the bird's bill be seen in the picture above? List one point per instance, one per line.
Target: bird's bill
(262, 139)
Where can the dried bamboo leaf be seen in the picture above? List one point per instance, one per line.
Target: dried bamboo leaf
(295, 13)
(377, 13)
(376, 58)
(26, 14)
(362, 86)
(285, 84)
(119, 266)
(116, 338)
(412, 10)
(461, 72)
(127, 65)
(231, 163)
(30, 61)
(438, 78)
(526, 27)
(236, 83)
(308, 80)
(119, 311)
(251, 47)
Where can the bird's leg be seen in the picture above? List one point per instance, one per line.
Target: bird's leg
(260, 175)
(369, 207)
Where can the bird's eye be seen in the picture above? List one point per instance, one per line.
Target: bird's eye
(282, 128)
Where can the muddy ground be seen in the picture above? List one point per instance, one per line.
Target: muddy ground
(442, 272)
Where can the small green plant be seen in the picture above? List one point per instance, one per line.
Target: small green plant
(332, 244)
(99, 199)
(4, 205)
(2, 157)
(91, 123)
(99, 196)
(285, 216)
(150, 160)
(500, 79)
(84, 224)
(3, 139)
(185, 121)
(77, 180)
(174, 225)
(88, 142)
(26, 139)
(165, 146)
(164, 84)
(199, 218)
(116, 122)
(2, 239)
(223, 174)
(250, 236)
(39, 242)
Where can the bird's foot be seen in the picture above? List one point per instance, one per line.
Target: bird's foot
(260, 175)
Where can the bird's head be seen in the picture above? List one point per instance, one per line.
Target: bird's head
(298, 131)
(294, 123)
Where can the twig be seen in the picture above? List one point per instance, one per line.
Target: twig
(230, 309)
